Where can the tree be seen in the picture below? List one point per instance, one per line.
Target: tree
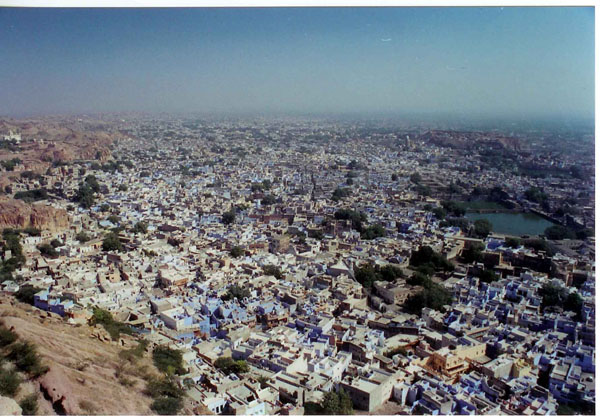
(168, 360)
(111, 242)
(237, 292)
(427, 256)
(26, 359)
(92, 181)
(336, 403)
(482, 228)
(48, 250)
(472, 253)
(273, 270)
(373, 232)
(455, 208)
(535, 195)
(32, 231)
(439, 212)
(584, 233)
(82, 237)
(415, 178)
(114, 219)
(85, 196)
(433, 296)
(112, 326)
(140, 227)
(368, 273)
(539, 245)
(228, 366)
(357, 218)
(487, 276)
(236, 252)
(558, 232)
(340, 193)
(268, 200)
(167, 395)
(512, 242)
(26, 293)
(573, 302)
(552, 295)
(228, 217)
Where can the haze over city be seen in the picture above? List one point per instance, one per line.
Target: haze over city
(475, 62)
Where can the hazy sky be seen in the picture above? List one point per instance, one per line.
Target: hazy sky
(467, 61)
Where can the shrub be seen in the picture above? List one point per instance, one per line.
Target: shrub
(29, 405)
(163, 387)
(26, 359)
(132, 354)
(112, 326)
(7, 336)
(9, 382)
(32, 195)
(32, 231)
(166, 406)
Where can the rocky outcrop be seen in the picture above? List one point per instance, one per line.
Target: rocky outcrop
(9, 407)
(57, 388)
(17, 214)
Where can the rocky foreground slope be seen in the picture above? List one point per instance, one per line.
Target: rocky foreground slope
(86, 375)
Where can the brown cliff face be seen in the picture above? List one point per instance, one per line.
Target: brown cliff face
(17, 214)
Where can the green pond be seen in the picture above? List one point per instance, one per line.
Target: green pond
(517, 224)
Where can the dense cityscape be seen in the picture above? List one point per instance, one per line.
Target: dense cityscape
(299, 265)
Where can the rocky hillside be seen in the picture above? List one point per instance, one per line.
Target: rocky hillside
(47, 141)
(470, 140)
(17, 214)
(86, 375)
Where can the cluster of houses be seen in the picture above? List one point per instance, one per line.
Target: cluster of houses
(311, 327)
